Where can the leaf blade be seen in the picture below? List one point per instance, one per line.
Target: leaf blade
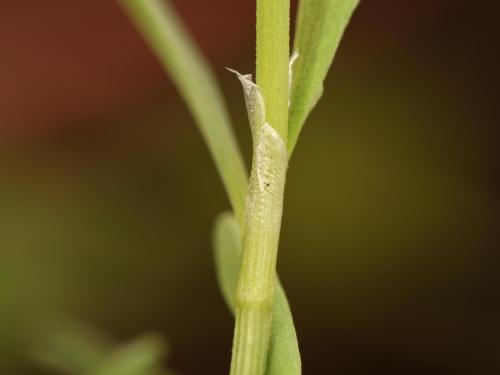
(141, 356)
(66, 345)
(320, 26)
(284, 355)
(159, 25)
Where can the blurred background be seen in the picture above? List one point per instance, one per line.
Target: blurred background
(390, 247)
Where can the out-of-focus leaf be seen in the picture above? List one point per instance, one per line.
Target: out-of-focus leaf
(140, 357)
(161, 28)
(284, 355)
(67, 345)
(72, 347)
(227, 253)
(320, 26)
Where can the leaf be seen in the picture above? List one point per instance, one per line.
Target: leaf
(320, 26)
(68, 346)
(283, 356)
(139, 357)
(164, 32)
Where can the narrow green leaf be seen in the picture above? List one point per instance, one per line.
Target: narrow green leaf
(320, 26)
(283, 356)
(160, 26)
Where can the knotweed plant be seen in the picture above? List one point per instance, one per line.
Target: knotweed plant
(278, 103)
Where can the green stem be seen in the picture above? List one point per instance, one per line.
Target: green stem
(273, 38)
(255, 290)
(264, 204)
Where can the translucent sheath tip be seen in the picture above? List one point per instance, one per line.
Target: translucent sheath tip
(254, 100)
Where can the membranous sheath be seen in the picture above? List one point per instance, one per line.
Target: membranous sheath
(260, 238)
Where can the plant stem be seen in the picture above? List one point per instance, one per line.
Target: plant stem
(264, 205)
(273, 38)
(255, 290)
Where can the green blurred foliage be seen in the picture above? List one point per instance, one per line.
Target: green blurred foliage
(66, 346)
